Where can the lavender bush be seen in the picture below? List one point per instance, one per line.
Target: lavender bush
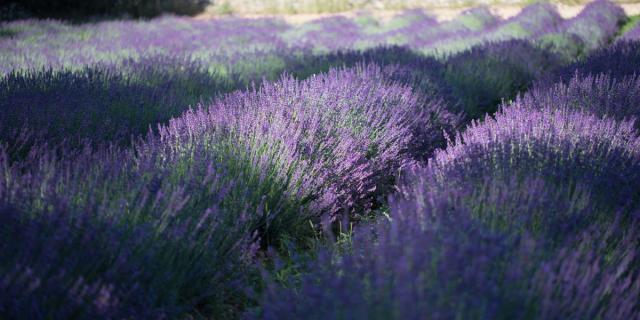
(595, 276)
(115, 234)
(530, 23)
(424, 74)
(482, 76)
(336, 140)
(565, 146)
(420, 31)
(447, 253)
(136, 183)
(602, 95)
(104, 103)
(326, 34)
(430, 260)
(617, 60)
(597, 24)
(464, 235)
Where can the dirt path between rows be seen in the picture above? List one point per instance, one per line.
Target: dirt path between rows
(442, 14)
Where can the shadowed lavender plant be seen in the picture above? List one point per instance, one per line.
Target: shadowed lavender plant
(103, 104)
(617, 60)
(601, 95)
(485, 75)
(431, 260)
(595, 276)
(119, 234)
(439, 256)
(566, 146)
(508, 200)
(424, 74)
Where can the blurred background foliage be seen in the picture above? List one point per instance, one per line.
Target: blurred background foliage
(79, 10)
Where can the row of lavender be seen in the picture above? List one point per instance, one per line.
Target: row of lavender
(177, 222)
(172, 224)
(532, 213)
(112, 80)
(99, 106)
(219, 44)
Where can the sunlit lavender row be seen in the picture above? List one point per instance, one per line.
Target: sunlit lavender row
(349, 167)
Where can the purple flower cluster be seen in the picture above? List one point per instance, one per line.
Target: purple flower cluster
(596, 276)
(550, 193)
(431, 260)
(617, 60)
(118, 233)
(180, 168)
(104, 104)
(171, 224)
(565, 146)
(337, 139)
(602, 95)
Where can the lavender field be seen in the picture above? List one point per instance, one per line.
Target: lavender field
(342, 168)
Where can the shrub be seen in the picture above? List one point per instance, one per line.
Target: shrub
(103, 104)
(594, 276)
(564, 146)
(483, 76)
(518, 195)
(114, 234)
(336, 140)
(601, 95)
(325, 34)
(617, 60)
(595, 26)
(430, 260)
(424, 74)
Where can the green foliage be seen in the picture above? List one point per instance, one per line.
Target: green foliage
(630, 24)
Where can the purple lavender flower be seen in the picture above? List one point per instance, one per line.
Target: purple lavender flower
(594, 276)
(566, 146)
(431, 260)
(617, 60)
(335, 139)
(601, 95)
